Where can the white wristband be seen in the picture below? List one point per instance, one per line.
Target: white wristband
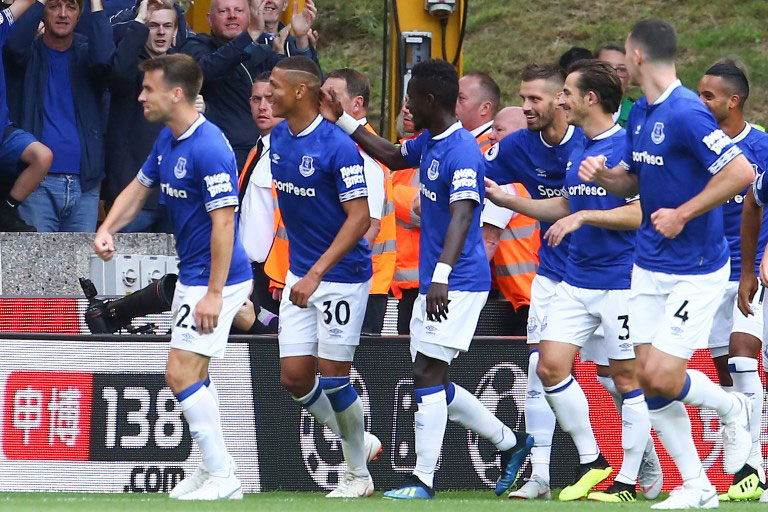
(348, 123)
(441, 273)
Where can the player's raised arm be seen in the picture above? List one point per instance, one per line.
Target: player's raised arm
(724, 185)
(548, 210)
(751, 221)
(617, 181)
(378, 147)
(357, 223)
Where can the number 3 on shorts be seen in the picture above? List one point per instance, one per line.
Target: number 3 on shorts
(341, 312)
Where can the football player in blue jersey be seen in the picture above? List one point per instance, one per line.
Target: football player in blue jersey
(454, 275)
(194, 166)
(323, 198)
(736, 337)
(595, 289)
(537, 157)
(684, 168)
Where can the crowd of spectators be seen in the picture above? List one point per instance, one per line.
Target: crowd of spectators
(75, 133)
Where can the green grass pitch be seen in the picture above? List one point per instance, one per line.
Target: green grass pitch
(453, 501)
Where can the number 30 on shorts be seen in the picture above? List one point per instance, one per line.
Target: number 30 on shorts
(340, 311)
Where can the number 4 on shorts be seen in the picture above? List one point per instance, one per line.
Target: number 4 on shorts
(682, 313)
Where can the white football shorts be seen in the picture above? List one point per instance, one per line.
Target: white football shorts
(446, 339)
(674, 312)
(329, 327)
(184, 333)
(575, 315)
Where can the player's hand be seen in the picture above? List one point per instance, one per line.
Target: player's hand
(303, 290)
(437, 302)
(330, 106)
(747, 289)
(668, 222)
(494, 192)
(207, 312)
(592, 168)
(277, 294)
(565, 226)
(200, 104)
(103, 245)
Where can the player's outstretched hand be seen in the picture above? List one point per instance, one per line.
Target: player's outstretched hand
(565, 226)
(330, 106)
(592, 168)
(494, 192)
(207, 312)
(747, 290)
(668, 222)
(437, 302)
(303, 290)
(103, 245)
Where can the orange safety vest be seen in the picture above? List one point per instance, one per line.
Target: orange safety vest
(384, 248)
(405, 187)
(276, 265)
(517, 257)
(483, 142)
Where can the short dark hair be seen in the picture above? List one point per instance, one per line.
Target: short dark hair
(600, 78)
(262, 77)
(357, 83)
(734, 77)
(300, 63)
(544, 72)
(657, 38)
(179, 70)
(489, 87)
(438, 78)
(573, 54)
(607, 47)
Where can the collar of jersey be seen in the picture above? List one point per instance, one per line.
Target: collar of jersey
(481, 129)
(455, 126)
(194, 126)
(363, 121)
(265, 141)
(309, 129)
(566, 137)
(671, 87)
(742, 134)
(607, 133)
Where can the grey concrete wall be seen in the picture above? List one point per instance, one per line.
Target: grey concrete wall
(49, 264)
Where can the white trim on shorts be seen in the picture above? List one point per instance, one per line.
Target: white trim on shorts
(184, 333)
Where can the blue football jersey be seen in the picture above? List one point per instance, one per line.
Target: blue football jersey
(675, 147)
(450, 169)
(196, 174)
(314, 172)
(598, 259)
(754, 144)
(524, 157)
(6, 24)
